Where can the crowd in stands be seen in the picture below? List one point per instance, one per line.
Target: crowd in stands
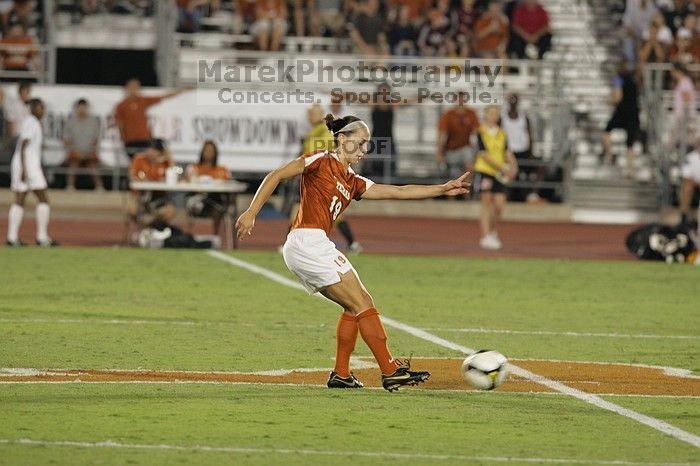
(20, 21)
(464, 28)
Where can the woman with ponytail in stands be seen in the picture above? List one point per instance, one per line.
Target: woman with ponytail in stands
(328, 184)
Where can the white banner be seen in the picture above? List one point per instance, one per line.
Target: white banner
(251, 138)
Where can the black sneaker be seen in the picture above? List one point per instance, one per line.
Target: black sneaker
(14, 244)
(49, 243)
(336, 381)
(403, 376)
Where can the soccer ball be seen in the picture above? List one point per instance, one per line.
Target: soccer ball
(485, 369)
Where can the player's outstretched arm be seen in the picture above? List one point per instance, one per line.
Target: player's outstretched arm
(416, 191)
(245, 223)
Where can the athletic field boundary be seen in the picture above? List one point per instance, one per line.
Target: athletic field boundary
(594, 400)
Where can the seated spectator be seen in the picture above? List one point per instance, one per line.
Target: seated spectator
(81, 138)
(403, 34)
(270, 24)
(189, 15)
(637, 17)
(417, 10)
(466, 20)
(243, 14)
(530, 30)
(675, 15)
(656, 41)
(367, 30)
(325, 17)
(212, 205)
(491, 32)
(149, 207)
(18, 50)
(435, 37)
(681, 51)
(21, 12)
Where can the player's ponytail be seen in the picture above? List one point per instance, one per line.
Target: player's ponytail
(346, 124)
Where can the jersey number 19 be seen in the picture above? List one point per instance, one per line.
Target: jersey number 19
(336, 205)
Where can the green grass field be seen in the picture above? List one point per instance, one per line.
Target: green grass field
(185, 310)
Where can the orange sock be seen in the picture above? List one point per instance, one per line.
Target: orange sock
(373, 333)
(345, 338)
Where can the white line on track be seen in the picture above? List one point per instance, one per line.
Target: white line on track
(563, 334)
(594, 400)
(285, 451)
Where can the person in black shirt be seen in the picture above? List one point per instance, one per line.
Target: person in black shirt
(625, 116)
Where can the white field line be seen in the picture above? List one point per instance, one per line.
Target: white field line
(594, 400)
(282, 324)
(563, 334)
(322, 386)
(299, 452)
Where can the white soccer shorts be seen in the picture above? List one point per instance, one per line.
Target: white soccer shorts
(312, 257)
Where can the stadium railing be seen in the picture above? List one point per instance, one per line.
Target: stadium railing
(42, 72)
(538, 83)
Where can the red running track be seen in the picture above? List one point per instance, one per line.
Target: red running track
(378, 235)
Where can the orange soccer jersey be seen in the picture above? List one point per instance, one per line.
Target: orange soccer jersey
(326, 190)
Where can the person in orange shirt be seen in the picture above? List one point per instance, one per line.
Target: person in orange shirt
(145, 208)
(328, 185)
(18, 49)
(130, 116)
(455, 152)
(491, 32)
(206, 170)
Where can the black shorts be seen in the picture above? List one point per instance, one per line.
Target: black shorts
(484, 183)
(627, 121)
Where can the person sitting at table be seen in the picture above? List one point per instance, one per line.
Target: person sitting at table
(146, 208)
(207, 170)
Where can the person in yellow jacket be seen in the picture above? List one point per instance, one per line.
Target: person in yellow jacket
(495, 167)
(319, 139)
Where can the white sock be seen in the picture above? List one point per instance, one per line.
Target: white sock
(14, 220)
(42, 221)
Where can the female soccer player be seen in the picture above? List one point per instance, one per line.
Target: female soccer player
(328, 184)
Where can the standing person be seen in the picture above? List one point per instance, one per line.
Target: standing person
(17, 109)
(516, 124)
(130, 116)
(625, 97)
(684, 107)
(212, 204)
(81, 137)
(454, 149)
(27, 175)
(328, 184)
(495, 165)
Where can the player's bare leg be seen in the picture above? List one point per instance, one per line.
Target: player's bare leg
(486, 200)
(14, 220)
(97, 179)
(353, 297)
(43, 214)
(72, 165)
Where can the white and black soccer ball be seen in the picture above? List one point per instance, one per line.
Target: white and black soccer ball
(485, 369)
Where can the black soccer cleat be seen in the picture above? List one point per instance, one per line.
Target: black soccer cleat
(336, 381)
(404, 376)
(14, 244)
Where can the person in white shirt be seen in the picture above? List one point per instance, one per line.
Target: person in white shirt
(16, 108)
(690, 181)
(27, 175)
